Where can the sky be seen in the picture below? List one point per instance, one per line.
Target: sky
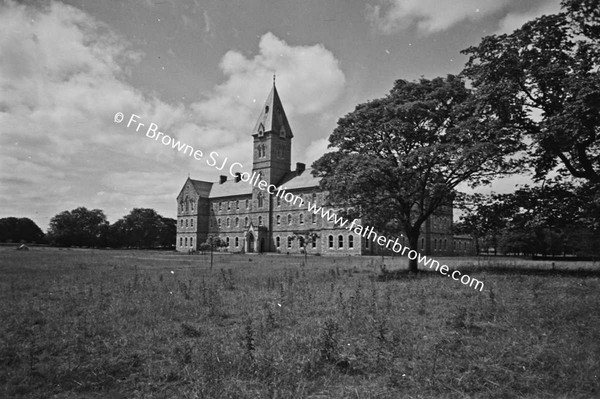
(201, 71)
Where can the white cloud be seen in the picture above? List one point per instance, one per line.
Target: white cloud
(515, 20)
(63, 76)
(430, 16)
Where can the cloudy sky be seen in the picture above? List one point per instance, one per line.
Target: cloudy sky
(200, 70)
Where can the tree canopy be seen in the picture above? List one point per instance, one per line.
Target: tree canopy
(542, 84)
(79, 227)
(398, 159)
(14, 229)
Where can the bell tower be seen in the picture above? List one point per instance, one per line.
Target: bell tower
(272, 143)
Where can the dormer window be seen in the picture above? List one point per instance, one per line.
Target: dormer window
(282, 133)
(261, 130)
(266, 109)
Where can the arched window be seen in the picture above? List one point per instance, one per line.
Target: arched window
(350, 241)
(191, 242)
(186, 241)
(290, 242)
(330, 241)
(237, 223)
(181, 241)
(422, 243)
(246, 221)
(444, 244)
(192, 204)
(237, 241)
(367, 244)
(314, 198)
(261, 130)
(227, 241)
(187, 205)
(260, 200)
(278, 219)
(220, 206)
(277, 241)
(181, 223)
(228, 222)
(228, 205)
(301, 218)
(314, 218)
(340, 241)
(219, 222)
(278, 201)
(301, 241)
(289, 218)
(247, 204)
(260, 220)
(435, 244)
(237, 204)
(314, 242)
(191, 222)
(186, 223)
(282, 133)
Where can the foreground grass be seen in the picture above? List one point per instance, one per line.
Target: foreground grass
(118, 324)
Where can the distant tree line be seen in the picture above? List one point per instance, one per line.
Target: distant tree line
(81, 227)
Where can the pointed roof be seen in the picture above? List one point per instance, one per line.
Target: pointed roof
(272, 117)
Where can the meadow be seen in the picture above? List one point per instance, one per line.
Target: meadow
(147, 324)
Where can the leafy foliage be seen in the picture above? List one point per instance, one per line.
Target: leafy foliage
(542, 83)
(398, 159)
(79, 227)
(20, 230)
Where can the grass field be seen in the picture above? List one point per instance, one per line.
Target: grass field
(143, 324)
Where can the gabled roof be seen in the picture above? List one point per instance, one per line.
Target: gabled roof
(272, 117)
(230, 188)
(294, 180)
(202, 188)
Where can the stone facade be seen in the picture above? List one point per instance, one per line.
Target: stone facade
(251, 220)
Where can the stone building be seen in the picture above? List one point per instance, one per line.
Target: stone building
(250, 219)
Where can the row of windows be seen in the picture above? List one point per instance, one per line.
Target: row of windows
(190, 224)
(340, 242)
(260, 202)
(236, 221)
(183, 242)
(186, 205)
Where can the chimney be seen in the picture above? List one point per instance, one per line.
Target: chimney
(222, 179)
(238, 176)
(300, 167)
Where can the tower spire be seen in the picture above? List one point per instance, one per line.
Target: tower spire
(274, 79)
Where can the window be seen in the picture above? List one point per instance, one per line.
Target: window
(277, 241)
(340, 241)
(228, 205)
(301, 241)
(219, 222)
(228, 222)
(435, 244)
(314, 242)
(237, 241)
(444, 244)
(220, 206)
(260, 200)
(237, 223)
(422, 243)
(186, 223)
(181, 223)
(247, 204)
(192, 204)
(350, 241)
(314, 198)
(278, 201)
(301, 218)
(330, 241)
(181, 206)
(282, 133)
(237, 204)
(246, 222)
(314, 218)
(186, 241)
(181, 241)
(289, 219)
(260, 220)
(191, 222)
(261, 130)
(290, 242)
(191, 242)
(227, 241)
(367, 244)
(278, 219)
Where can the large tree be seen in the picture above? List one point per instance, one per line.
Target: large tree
(79, 227)
(143, 228)
(398, 159)
(542, 84)
(20, 230)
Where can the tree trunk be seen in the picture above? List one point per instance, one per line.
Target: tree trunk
(413, 241)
